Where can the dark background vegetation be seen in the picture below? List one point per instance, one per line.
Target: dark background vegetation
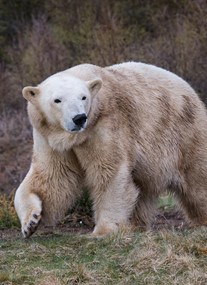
(41, 37)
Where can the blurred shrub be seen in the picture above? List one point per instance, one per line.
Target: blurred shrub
(92, 31)
(7, 100)
(59, 34)
(8, 217)
(14, 15)
(15, 149)
(38, 53)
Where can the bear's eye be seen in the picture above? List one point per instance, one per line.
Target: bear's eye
(84, 98)
(57, 101)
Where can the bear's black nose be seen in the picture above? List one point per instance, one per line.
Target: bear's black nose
(80, 120)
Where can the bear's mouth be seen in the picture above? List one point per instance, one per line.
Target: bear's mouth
(72, 128)
(77, 129)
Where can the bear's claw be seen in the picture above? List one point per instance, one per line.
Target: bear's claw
(30, 227)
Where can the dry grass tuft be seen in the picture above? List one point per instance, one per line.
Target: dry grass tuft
(50, 280)
(3, 277)
(80, 274)
(168, 258)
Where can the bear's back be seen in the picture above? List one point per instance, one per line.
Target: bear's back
(151, 75)
(151, 84)
(139, 74)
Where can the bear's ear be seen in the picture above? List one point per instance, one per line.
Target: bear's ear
(30, 93)
(94, 85)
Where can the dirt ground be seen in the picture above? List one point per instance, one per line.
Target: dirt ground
(171, 219)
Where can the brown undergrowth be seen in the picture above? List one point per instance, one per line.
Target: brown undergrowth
(15, 149)
(8, 217)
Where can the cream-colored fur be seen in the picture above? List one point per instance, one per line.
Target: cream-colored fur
(54, 178)
(144, 132)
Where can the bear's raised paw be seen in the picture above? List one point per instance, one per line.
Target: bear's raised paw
(31, 224)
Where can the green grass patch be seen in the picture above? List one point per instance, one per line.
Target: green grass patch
(166, 202)
(165, 257)
(159, 257)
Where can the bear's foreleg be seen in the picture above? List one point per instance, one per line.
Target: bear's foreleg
(114, 205)
(28, 207)
(50, 188)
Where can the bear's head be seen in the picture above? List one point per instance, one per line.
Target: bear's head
(64, 100)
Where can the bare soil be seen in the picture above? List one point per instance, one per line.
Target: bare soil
(171, 219)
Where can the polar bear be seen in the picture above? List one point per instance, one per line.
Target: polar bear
(127, 132)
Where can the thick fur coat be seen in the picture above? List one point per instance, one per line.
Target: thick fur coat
(143, 130)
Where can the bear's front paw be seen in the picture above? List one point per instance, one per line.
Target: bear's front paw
(31, 223)
(102, 230)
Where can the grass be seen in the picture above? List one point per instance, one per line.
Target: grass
(164, 257)
(166, 202)
(127, 257)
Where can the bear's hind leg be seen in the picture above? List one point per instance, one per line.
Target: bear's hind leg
(192, 197)
(195, 207)
(145, 210)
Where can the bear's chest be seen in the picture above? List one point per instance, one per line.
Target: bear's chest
(99, 149)
(99, 157)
